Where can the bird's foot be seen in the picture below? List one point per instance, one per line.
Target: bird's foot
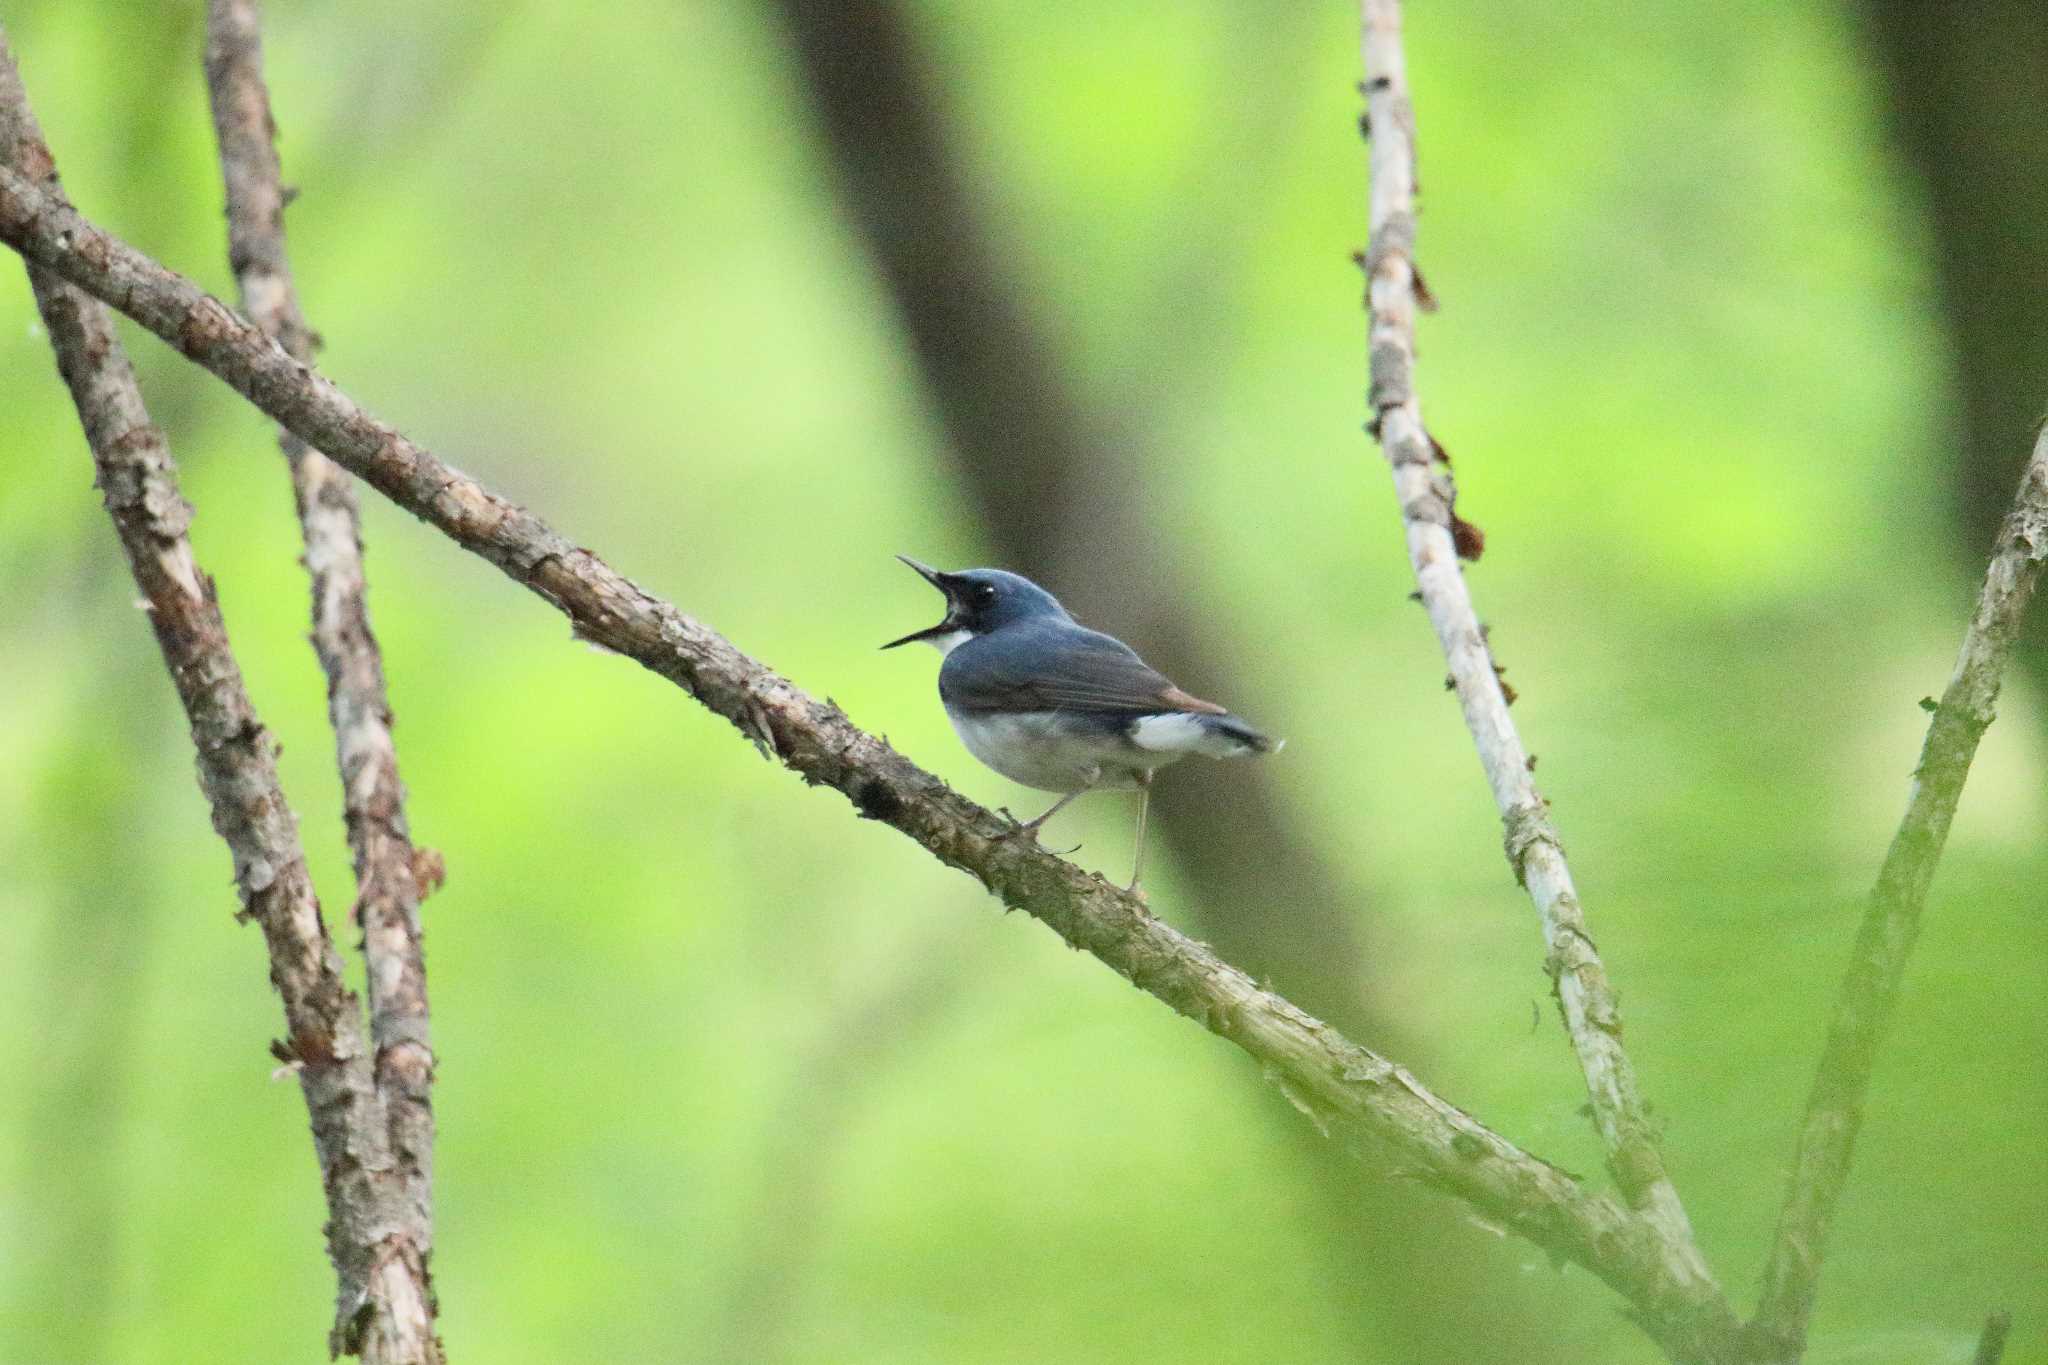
(1026, 829)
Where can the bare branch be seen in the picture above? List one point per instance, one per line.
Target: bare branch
(1891, 924)
(1422, 483)
(243, 126)
(1341, 1085)
(324, 1044)
(387, 867)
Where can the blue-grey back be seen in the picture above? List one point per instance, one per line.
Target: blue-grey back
(1051, 664)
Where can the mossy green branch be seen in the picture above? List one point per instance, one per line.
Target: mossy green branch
(1891, 923)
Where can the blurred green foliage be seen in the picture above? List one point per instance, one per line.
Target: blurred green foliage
(726, 1074)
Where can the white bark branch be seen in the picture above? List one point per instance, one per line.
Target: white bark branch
(1422, 485)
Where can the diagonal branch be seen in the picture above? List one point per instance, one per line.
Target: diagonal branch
(388, 889)
(1891, 924)
(1367, 1098)
(1422, 483)
(237, 773)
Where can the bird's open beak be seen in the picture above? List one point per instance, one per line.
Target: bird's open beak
(937, 580)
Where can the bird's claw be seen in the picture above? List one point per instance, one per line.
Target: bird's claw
(1027, 829)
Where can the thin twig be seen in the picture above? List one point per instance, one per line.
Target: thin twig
(387, 868)
(1834, 1110)
(1422, 483)
(325, 1045)
(1339, 1083)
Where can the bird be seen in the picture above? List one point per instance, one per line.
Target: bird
(1051, 704)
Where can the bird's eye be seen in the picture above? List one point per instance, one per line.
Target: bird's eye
(985, 595)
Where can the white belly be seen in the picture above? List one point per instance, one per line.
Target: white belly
(1045, 750)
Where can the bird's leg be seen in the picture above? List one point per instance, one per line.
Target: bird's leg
(1030, 827)
(1144, 780)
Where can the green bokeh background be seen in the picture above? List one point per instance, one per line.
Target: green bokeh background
(728, 1074)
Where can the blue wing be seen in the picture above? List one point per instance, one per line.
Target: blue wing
(1059, 666)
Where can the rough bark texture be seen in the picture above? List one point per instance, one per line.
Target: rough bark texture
(1422, 483)
(1060, 491)
(1343, 1086)
(1891, 924)
(324, 1045)
(387, 867)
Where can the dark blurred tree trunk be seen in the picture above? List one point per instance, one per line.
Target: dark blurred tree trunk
(1062, 498)
(1967, 89)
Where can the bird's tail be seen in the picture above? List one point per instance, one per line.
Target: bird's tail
(1232, 737)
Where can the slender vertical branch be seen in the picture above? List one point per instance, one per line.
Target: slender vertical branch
(1422, 484)
(1891, 924)
(324, 1045)
(387, 867)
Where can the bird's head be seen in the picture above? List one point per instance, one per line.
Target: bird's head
(977, 602)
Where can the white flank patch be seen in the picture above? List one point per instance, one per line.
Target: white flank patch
(1041, 749)
(1180, 733)
(950, 641)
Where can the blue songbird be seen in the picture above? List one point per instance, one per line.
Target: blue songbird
(1051, 704)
